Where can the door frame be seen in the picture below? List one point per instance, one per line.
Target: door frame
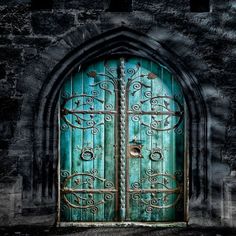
(132, 223)
(113, 42)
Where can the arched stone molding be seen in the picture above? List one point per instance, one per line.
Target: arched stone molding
(121, 40)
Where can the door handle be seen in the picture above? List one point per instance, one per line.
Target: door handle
(135, 151)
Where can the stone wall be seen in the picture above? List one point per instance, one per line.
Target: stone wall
(34, 43)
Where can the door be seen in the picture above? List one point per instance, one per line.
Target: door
(122, 143)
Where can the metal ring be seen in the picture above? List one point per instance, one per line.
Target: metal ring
(87, 154)
(156, 155)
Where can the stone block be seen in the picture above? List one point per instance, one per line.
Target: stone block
(14, 2)
(41, 5)
(10, 198)
(58, 4)
(6, 130)
(16, 18)
(80, 35)
(10, 55)
(141, 21)
(5, 29)
(6, 89)
(36, 42)
(30, 54)
(84, 4)
(5, 41)
(11, 185)
(232, 6)
(229, 200)
(47, 23)
(220, 6)
(4, 144)
(10, 108)
(230, 63)
(219, 110)
(88, 15)
(161, 6)
(2, 71)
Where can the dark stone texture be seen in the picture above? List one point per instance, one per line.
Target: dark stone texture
(9, 109)
(89, 15)
(30, 54)
(10, 55)
(119, 6)
(34, 45)
(218, 5)
(15, 19)
(38, 43)
(40, 5)
(9, 166)
(5, 41)
(161, 6)
(58, 4)
(51, 23)
(140, 20)
(5, 89)
(199, 5)
(5, 28)
(2, 71)
(14, 2)
(83, 4)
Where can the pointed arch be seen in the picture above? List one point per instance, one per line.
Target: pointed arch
(121, 40)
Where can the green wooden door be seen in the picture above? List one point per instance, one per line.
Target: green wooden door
(122, 143)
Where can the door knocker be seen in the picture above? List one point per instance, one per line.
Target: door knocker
(156, 154)
(87, 154)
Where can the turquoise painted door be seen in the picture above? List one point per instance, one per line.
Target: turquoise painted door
(122, 143)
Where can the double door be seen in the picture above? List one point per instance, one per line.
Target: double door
(122, 142)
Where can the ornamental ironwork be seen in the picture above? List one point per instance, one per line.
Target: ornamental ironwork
(73, 190)
(122, 143)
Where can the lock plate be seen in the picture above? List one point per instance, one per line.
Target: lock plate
(135, 151)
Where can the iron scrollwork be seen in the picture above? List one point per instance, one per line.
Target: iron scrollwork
(134, 75)
(161, 194)
(79, 197)
(161, 119)
(82, 115)
(166, 113)
(163, 107)
(82, 119)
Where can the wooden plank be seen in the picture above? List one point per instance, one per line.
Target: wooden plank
(98, 141)
(146, 137)
(65, 148)
(165, 154)
(156, 142)
(87, 214)
(110, 213)
(77, 139)
(133, 137)
(173, 141)
(169, 145)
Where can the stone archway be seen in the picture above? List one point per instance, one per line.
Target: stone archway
(116, 42)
